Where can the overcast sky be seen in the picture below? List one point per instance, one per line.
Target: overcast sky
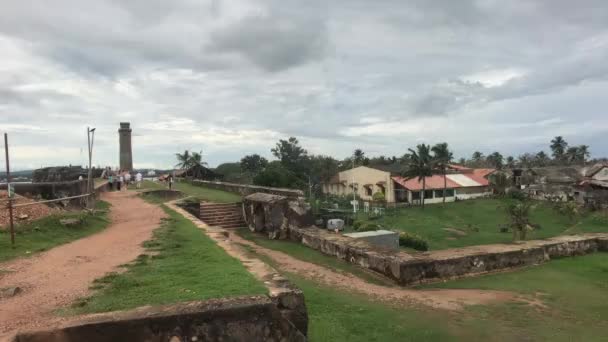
(232, 77)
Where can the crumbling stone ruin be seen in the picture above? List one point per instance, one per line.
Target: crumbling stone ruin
(61, 174)
(274, 214)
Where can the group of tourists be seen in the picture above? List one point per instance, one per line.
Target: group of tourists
(120, 180)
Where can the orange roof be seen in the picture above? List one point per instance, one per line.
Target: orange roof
(480, 176)
(431, 183)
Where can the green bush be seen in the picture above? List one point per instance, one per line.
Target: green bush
(357, 224)
(368, 227)
(413, 241)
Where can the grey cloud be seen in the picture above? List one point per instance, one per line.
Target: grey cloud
(274, 41)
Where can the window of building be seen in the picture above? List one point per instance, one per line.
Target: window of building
(368, 190)
(428, 194)
(449, 193)
(438, 193)
(415, 195)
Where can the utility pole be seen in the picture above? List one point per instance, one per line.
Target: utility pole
(90, 141)
(352, 172)
(9, 192)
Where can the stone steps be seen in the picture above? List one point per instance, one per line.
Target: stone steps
(225, 215)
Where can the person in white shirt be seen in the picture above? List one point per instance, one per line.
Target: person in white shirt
(138, 179)
(121, 183)
(127, 180)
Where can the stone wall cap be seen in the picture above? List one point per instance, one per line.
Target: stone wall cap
(265, 198)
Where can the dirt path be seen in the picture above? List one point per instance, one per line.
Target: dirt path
(55, 278)
(449, 299)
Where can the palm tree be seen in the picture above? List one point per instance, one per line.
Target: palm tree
(583, 153)
(558, 147)
(495, 160)
(442, 157)
(420, 166)
(477, 158)
(183, 160)
(571, 155)
(196, 158)
(519, 215)
(510, 162)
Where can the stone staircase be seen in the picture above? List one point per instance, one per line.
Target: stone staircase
(225, 215)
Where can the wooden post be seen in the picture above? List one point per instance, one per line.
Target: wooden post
(8, 191)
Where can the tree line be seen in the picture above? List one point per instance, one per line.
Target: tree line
(295, 167)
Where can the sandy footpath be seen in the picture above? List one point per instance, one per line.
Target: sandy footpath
(55, 278)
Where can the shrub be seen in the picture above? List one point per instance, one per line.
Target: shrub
(357, 224)
(413, 241)
(368, 227)
(518, 195)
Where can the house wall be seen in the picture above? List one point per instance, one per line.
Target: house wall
(473, 192)
(428, 200)
(362, 175)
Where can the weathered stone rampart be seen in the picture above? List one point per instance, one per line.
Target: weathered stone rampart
(254, 318)
(408, 269)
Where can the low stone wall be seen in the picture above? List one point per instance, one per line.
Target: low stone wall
(287, 298)
(236, 319)
(246, 189)
(408, 269)
(50, 190)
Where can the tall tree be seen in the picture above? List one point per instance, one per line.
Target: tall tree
(253, 163)
(558, 148)
(442, 157)
(526, 160)
(183, 159)
(420, 166)
(462, 161)
(291, 155)
(583, 153)
(495, 160)
(541, 159)
(477, 159)
(510, 162)
(359, 156)
(196, 158)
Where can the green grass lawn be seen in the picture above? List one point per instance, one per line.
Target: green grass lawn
(202, 193)
(181, 264)
(307, 254)
(48, 232)
(480, 220)
(574, 290)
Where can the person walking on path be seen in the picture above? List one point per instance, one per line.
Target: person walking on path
(138, 179)
(111, 182)
(170, 182)
(120, 180)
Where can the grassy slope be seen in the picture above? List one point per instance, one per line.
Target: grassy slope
(196, 191)
(47, 232)
(304, 253)
(573, 289)
(187, 266)
(484, 215)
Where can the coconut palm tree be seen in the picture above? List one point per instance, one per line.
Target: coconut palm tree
(420, 166)
(196, 158)
(583, 153)
(183, 160)
(442, 157)
(519, 215)
(558, 148)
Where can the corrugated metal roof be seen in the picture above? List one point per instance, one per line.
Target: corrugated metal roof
(432, 183)
(463, 180)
